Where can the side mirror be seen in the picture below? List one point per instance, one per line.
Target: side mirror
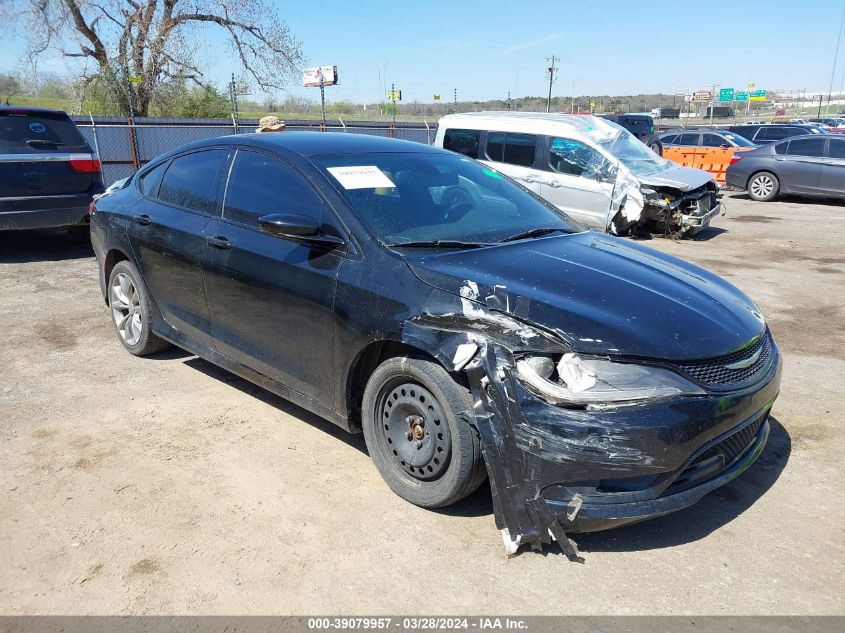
(297, 228)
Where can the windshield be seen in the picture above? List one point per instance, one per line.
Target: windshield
(638, 158)
(427, 197)
(739, 141)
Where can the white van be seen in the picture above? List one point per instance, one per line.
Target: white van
(592, 169)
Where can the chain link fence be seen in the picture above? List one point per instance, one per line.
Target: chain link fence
(123, 145)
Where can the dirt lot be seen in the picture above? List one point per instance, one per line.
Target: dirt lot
(165, 485)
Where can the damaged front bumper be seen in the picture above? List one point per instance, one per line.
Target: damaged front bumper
(693, 223)
(555, 471)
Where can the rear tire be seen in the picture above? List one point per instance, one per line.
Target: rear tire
(763, 186)
(129, 303)
(415, 418)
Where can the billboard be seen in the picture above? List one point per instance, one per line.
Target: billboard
(311, 77)
(699, 96)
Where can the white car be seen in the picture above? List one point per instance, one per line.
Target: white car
(592, 169)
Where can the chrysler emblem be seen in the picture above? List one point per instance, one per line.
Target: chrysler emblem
(742, 364)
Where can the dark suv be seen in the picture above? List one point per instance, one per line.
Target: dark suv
(765, 134)
(48, 173)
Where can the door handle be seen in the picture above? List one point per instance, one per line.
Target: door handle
(219, 241)
(143, 219)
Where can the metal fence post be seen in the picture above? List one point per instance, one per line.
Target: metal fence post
(96, 141)
(342, 123)
(427, 132)
(133, 145)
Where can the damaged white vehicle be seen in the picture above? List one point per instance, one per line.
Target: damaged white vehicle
(592, 169)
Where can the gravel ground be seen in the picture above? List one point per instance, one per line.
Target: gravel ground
(165, 485)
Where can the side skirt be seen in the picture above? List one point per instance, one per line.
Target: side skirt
(216, 358)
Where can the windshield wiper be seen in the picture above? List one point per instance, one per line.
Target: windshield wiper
(532, 233)
(43, 142)
(439, 244)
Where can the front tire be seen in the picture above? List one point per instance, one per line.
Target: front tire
(763, 186)
(129, 303)
(415, 418)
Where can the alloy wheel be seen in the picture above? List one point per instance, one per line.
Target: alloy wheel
(125, 305)
(762, 186)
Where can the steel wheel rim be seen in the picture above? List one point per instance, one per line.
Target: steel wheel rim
(414, 429)
(126, 309)
(762, 186)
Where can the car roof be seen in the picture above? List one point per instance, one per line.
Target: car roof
(314, 143)
(550, 123)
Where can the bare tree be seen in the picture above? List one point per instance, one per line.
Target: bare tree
(157, 40)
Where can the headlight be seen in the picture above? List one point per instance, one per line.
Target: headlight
(582, 381)
(654, 197)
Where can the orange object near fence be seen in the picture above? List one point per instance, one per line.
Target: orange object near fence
(712, 159)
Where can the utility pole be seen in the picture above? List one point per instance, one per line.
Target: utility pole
(552, 72)
(323, 99)
(233, 96)
(833, 69)
(456, 100)
(509, 100)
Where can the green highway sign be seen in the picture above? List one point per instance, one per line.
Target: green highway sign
(741, 96)
(726, 94)
(758, 95)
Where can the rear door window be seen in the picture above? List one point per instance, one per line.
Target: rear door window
(713, 140)
(462, 141)
(772, 133)
(36, 132)
(813, 147)
(191, 180)
(780, 148)
(688, 139)
(837, 148)
(260, 185)
(515, 149)
(669, 140)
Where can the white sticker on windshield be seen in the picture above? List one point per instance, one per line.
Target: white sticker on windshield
(361, 177)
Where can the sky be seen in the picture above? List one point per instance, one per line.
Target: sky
(485, 49)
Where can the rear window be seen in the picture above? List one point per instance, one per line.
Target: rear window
(516, 149)
(462, 141)
(669, 140)
(688, 139)
(36, 132)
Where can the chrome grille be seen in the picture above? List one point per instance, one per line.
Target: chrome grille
(714, 372)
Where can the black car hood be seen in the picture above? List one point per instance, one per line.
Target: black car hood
(601, 294)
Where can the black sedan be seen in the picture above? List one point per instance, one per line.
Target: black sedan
(467, 327)
(803, 165)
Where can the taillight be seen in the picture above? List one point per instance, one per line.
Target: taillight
(735, 158)
(84, 163)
